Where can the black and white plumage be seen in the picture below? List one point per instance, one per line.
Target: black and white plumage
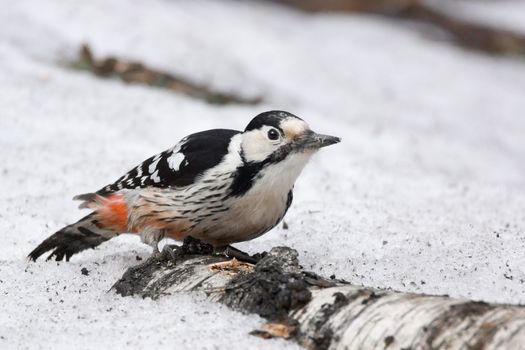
(178, 166)
(219, 186)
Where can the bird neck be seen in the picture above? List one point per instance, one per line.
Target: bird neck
(278, 178)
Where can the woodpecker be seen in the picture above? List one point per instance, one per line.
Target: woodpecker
(219, 186)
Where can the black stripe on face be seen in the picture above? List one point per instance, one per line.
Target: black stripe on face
(246, 174)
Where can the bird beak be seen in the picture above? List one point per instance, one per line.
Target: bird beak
(312, 140)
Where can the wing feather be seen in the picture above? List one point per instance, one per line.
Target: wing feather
(178, 166)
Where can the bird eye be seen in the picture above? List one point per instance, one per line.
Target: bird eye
(273, 134)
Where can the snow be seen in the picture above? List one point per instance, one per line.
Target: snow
(426, 192)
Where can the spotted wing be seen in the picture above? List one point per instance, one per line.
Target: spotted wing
(178, 166)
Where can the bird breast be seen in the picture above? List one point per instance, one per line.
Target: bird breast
(264, 205)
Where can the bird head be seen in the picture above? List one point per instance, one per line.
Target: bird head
(275, 136)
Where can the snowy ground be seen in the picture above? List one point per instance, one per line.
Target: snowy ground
(426, 193)
(505, 14)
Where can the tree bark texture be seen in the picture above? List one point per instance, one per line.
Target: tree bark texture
(321, 313)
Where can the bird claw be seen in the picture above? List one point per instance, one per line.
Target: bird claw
(192, 246)
(235, 253)
(171, 252)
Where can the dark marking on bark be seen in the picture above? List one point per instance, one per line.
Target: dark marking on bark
(372, 297)
(319, 333)
(484, 335)
(458, 313)
(273, 289)
(136, 278)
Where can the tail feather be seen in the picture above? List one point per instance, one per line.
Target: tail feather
(88, 200)
(84, 234)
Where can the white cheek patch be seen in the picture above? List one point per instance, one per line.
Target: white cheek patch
(255, 146)
(175, 161)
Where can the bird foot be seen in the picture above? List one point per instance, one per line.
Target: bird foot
(156, 254)
(235, 253)
(192, 246)
(171, 252)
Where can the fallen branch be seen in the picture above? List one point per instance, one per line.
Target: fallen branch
(322, 313)
(465, 33)
(136, 72)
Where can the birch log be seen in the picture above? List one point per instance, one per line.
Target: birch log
(321, 313)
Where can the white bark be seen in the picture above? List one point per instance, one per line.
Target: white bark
(325, 314)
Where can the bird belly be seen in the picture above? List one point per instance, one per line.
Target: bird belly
(157, 210)
(255, 212)
(219, 221)
(247, 217)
